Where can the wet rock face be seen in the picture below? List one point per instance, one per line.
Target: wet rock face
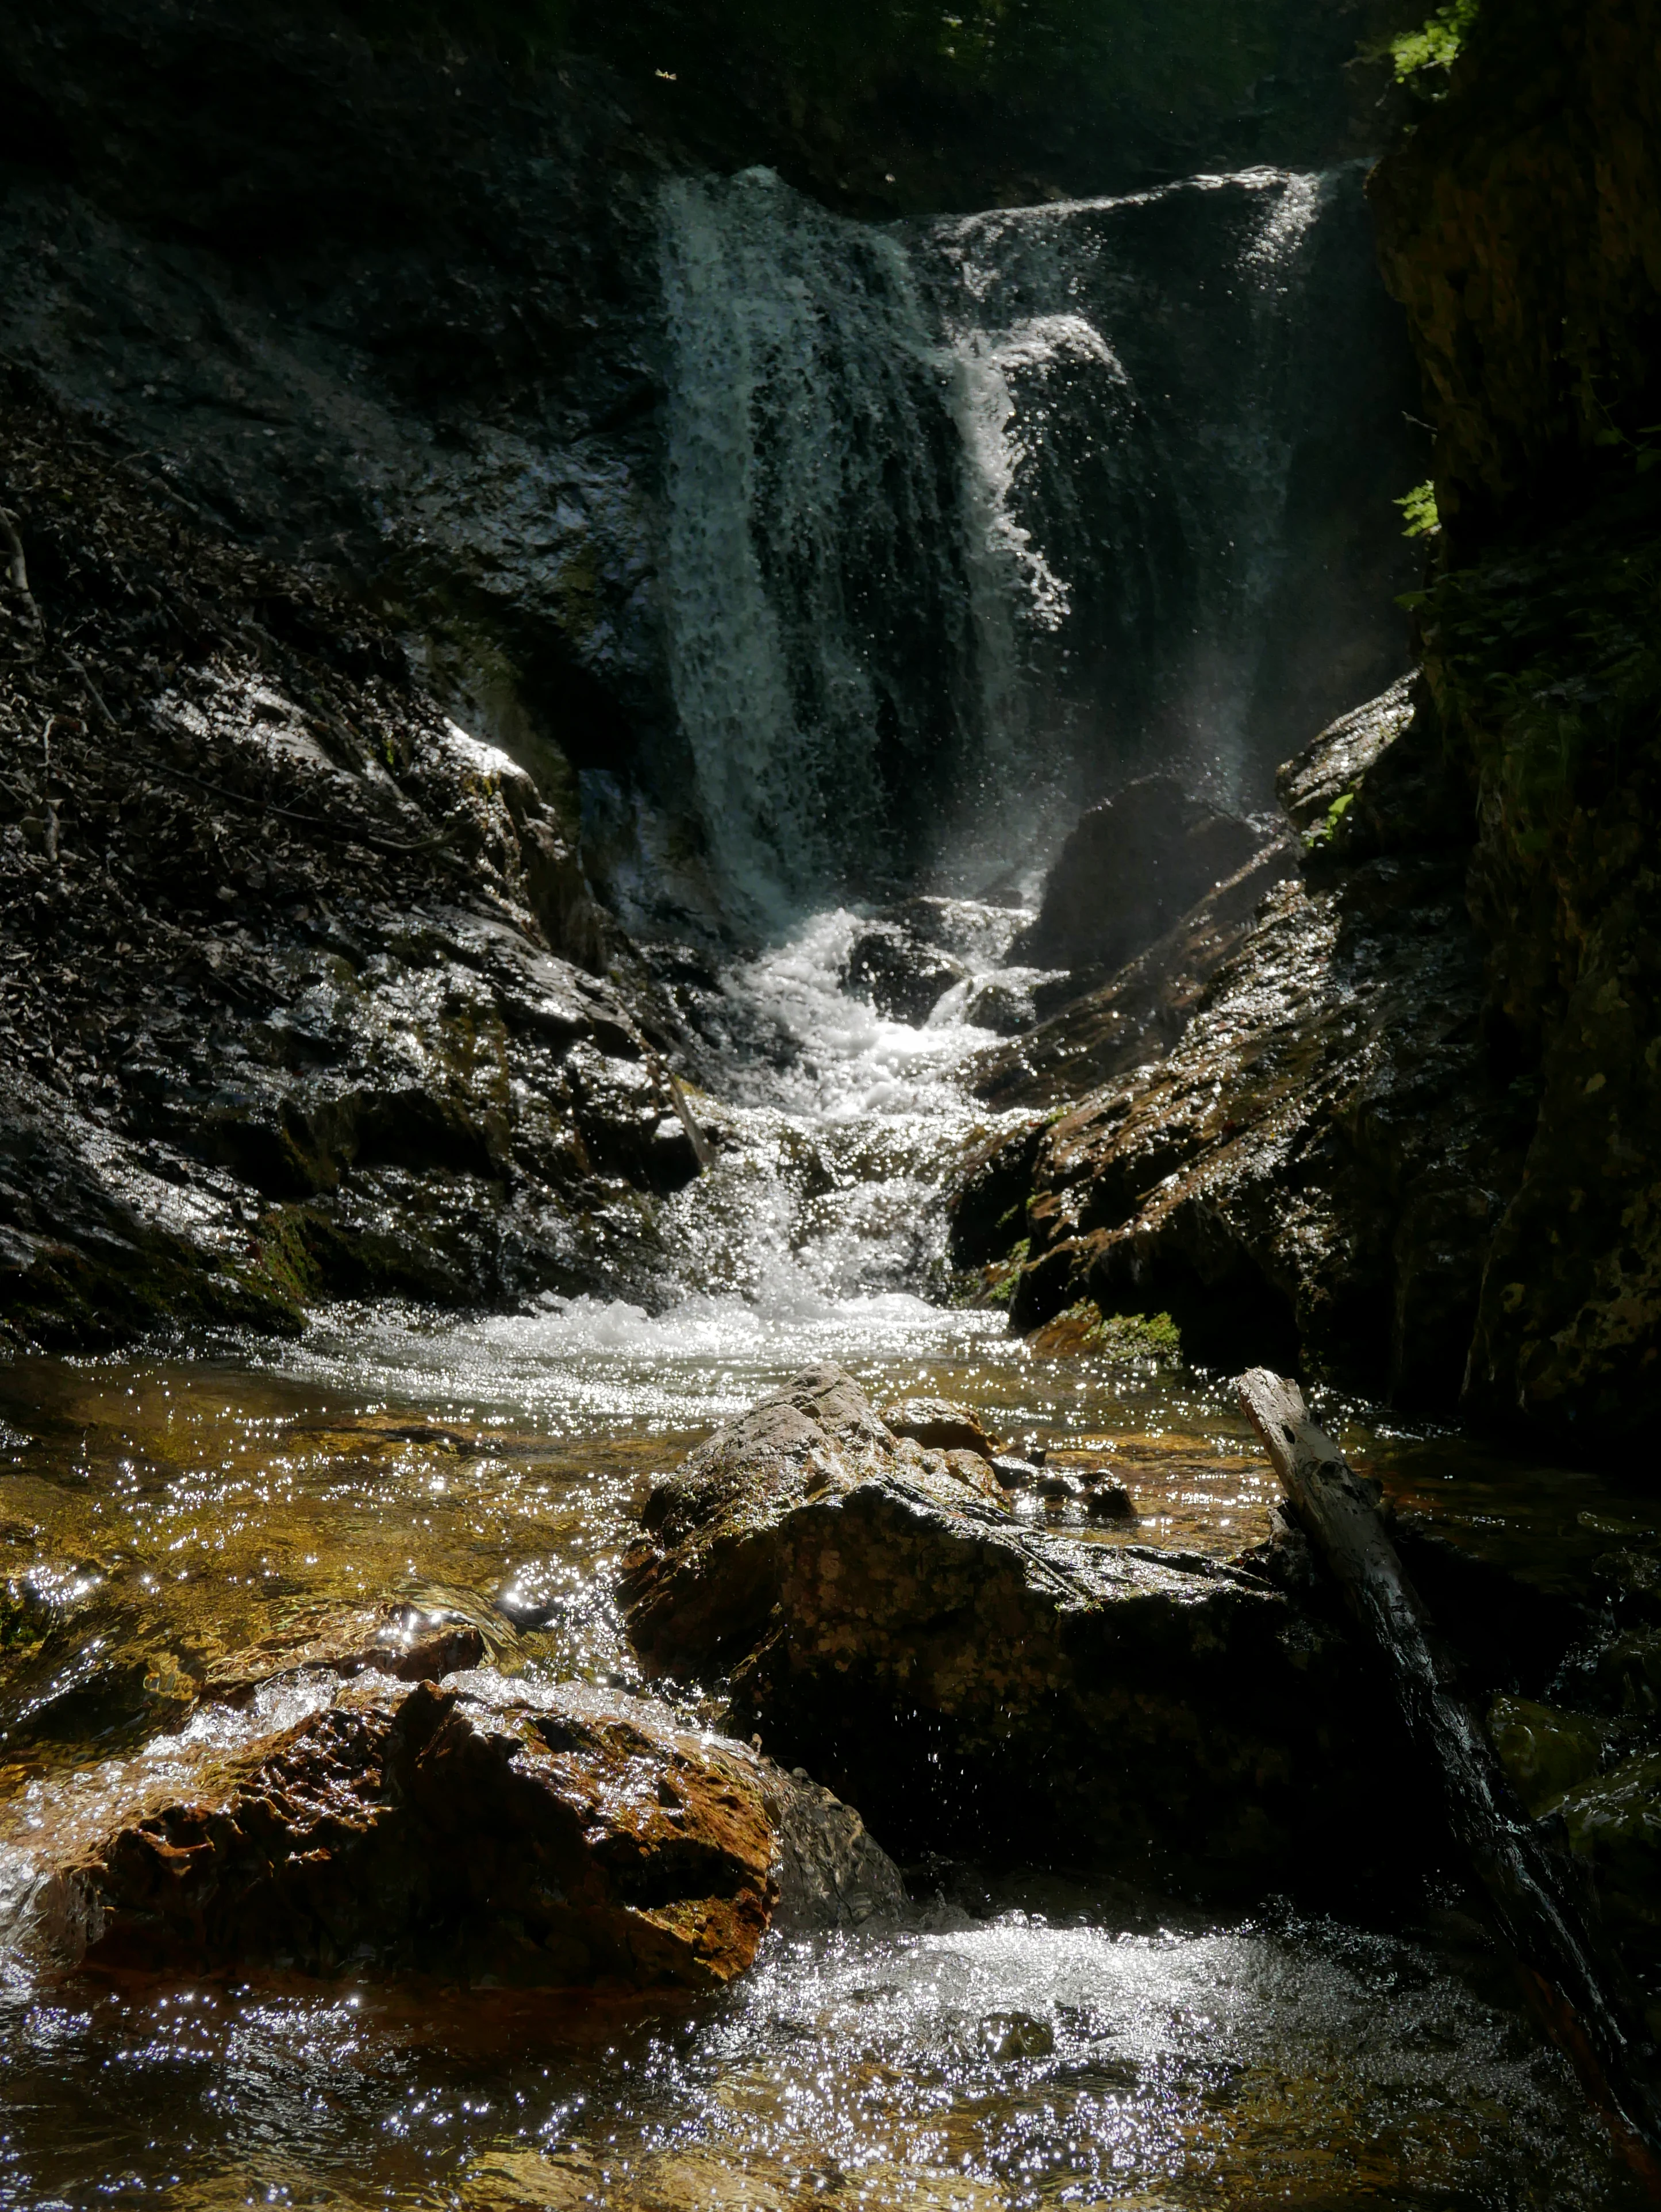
(1130, 869)
(484, 1830)
(1519, 226)
(1318, 1166)
(1099, 1029)
(313, 1009)
(1590, 1760)
(979, 1684)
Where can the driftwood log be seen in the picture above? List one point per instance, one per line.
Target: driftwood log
(1584, 2015)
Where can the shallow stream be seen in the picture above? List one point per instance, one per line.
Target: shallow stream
(1027, 2041)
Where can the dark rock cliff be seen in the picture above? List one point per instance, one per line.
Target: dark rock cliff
(1410, 1129)
(1520, 225)
(299, 993)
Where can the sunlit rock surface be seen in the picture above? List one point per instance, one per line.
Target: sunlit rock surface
(410, 1642)
(313, 1007)
(979, 1685)
(483, 1829)
(1316, 1166)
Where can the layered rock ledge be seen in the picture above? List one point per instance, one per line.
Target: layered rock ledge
(1315, 1166)
(980, 1686)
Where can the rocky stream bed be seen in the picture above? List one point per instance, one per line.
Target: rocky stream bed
(332, 1828)
(683, 966)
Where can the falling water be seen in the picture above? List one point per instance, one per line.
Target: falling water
(962, 516)
(814, 601)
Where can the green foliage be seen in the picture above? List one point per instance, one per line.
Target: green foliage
(1335, 814)
(1001, 1291)
(996, 1286)
(1434, 45)
(1419, 511)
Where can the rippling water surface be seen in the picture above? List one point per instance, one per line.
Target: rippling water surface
(1026, 2041)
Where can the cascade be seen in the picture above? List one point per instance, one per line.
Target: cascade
(966, 520)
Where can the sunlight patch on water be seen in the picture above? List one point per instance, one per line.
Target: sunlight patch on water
(1067, 2051)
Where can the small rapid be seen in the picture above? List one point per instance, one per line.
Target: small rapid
(818, 1233)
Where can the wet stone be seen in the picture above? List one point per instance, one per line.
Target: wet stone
(901, 975)
(973, 1682)
(1009, 2035)
(486, 1830)
(939, 1425)
(1015, 1474)
(1132, 865)
(1107, 1500)
(404, 1641)
(1004, 1004)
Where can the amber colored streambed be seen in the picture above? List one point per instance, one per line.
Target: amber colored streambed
(1028, 2041)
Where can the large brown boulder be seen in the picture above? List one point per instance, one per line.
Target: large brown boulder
(483, 1829)
(979, 1684)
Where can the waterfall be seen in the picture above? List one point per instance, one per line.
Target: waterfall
(968, 519)
(815, 607)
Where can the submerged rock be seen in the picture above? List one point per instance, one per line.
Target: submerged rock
(410, 1642)
(486, 1830)
(979, 1684)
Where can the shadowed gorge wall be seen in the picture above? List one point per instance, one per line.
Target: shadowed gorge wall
(885, 104)
(1405, 1122)
(1520, 226)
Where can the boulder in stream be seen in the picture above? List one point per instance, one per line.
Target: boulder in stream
(978, 1683)
(1130, 869)
(939, 1425)
(901, 973)
(486, 1830)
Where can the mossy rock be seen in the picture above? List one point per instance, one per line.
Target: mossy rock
(1545, 1752)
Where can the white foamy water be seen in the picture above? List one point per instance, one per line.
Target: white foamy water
(817, 1235)
(934, 492)
(818, 1051)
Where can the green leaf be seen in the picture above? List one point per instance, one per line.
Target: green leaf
(1435, 44)
(1419, 511)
